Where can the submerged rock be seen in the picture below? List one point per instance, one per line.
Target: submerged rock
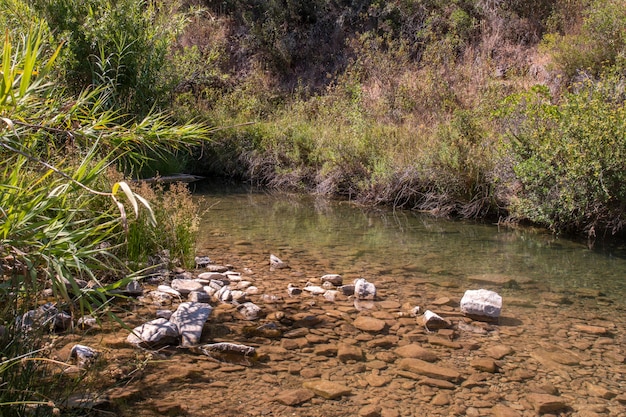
(327, 389)
(229, 352)
(294, 396)
(481, 303)
(369, 324)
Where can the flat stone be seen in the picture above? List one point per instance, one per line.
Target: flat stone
(216, 268)
(294, 396)
(600, 391)
(499, 351)
(484, 364)
(370, 410)
(346, 353)
(546, 403)
(441, 399)
(185, 286)
(499, 279)
(376, 364)
(504, 411)
(588, 292)
(369, 324)
(430, 370)
(594, 330)
(291, 344)
(327, 389)
(441, 301)
(326, 349)
(558, 355)
(377, 380)
(437, 383)
(211, 275)
(308, 373)
(416, 351)
(440, 341)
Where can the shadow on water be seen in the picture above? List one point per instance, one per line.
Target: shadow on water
(361, 239)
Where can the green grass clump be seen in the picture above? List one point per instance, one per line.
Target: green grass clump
(175, 230)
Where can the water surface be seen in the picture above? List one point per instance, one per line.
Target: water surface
(348, 239)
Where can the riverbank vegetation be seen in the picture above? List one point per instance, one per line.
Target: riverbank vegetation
(69, 218)
(465, 108)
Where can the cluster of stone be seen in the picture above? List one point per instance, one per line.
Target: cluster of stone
(314, 345)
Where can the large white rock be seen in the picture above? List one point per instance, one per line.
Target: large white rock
(481, 302)
(190, 318)
(364, 290)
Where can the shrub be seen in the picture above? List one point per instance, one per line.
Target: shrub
(569, 157)
(119, 44)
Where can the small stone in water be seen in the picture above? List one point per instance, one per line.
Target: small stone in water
(276, 263)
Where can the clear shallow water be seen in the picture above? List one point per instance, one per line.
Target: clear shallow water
(347, 239)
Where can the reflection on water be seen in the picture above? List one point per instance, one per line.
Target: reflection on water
(406, 243)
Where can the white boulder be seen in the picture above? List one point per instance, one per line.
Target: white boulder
(482, 303)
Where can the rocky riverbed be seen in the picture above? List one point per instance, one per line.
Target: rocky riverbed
(549, 353)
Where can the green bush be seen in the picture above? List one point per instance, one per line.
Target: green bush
(570, 157)
(118, 44)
